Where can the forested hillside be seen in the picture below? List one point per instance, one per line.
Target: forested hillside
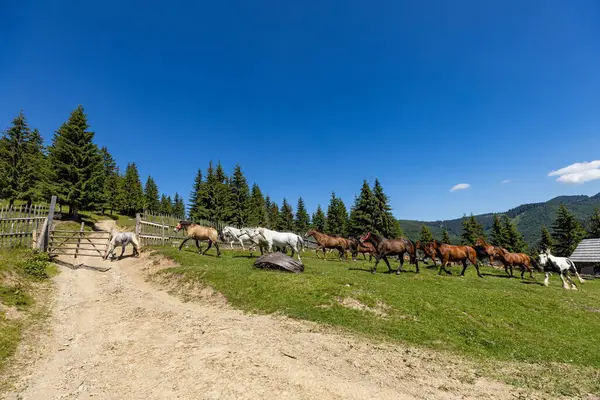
(529, 218)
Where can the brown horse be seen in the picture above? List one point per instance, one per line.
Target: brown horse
(484, 249)
(450, 253)
(199, 232)
(364, 248)
(425, 249)
(517, 259)
(391, 247)
(325, 242)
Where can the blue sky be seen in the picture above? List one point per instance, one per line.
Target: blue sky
(315, 96)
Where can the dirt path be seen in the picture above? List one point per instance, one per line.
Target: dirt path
(116, 336)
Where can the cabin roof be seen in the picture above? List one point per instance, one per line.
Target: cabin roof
(587, 251)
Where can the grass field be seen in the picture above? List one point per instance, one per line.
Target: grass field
(20, 274)
(546, 331)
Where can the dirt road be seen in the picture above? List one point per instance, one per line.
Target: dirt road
(117, 336)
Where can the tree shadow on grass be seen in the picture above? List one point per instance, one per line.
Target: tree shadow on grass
(496, 275)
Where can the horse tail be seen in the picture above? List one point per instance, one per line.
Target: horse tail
(572, 266)
(300, 243)
(535, 264)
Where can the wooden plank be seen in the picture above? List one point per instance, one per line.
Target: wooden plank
(79, 238)
(152, 224)
(21, 218)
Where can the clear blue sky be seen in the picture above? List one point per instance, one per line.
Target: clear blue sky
(315, 96)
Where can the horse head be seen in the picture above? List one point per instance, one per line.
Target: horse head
(182, 224)
(365, 238)
(309, 233)
(481, 242)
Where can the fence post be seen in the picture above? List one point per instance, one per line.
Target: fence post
(138, 226)
(47, 227)
(79, 239)
(162, 230)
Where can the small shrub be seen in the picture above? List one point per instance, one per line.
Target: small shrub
(36, 264)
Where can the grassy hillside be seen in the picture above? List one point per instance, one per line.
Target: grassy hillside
(492, 320)
(529, 218)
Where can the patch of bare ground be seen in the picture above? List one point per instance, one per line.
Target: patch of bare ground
(114, 335)
(380, 308)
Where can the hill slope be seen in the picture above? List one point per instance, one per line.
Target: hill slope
(529, 218)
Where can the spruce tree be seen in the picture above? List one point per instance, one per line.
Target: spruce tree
(257, 209)
(195, 195)
(286, 217)
(362, 214)
(384, 222)
(240, 198)
(498, 235)
(133, 195)
(267, 220)
(426, 235)
(222, 211)
(337, 217)
(318, 220)
(178, 206)
(514, 240)
(468, 236)
(166, 205)
(273, 216)
(595, 224)
(109, 183)
(445, 236)
(567, 232)
(22, 162)
(546, 242)
(151, 201)
(477, 228)
(206, 202)
(302, 222)
(75, 164)
(113, 196)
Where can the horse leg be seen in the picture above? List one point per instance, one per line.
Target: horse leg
(401, 259)
(562, 278)
(578, 277)
(198, 245)
(546, 279)
(185, 240)
(209, 246)
(464, 263)
(218, 250)
(122, 251)
(387, 262)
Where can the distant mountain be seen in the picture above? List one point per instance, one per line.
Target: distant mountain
(529, 218)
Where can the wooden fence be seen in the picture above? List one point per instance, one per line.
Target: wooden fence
(78, 243)
(21, 225)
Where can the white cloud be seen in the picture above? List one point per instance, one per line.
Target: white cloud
(460, 186)
(578, 173)
(505, 181)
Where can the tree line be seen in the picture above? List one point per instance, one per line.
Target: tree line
(566, 233)
(217, 197)
(81, 175)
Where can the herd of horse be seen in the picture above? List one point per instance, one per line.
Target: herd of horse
(371, 244)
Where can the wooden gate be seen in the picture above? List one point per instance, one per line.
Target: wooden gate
(78, 243)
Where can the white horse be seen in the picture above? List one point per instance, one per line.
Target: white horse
(238, 235)
(271, 238)
(122, 239)
(561, 265)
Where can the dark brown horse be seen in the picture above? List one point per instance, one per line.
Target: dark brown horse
(325, 242)
(450, 253)
(391, 247)
(522, 260)
(484, 249)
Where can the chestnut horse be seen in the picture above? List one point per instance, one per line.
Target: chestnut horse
(447, 253)
(199, 232)
(325, 242)
(425, 249)
(363, 248)
(517, 259)
(391, 247)
(484, 249)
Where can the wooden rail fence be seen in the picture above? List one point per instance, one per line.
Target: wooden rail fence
(21, 225)
(79, 243)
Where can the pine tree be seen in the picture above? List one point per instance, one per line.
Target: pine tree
(195, 195)
(468, 236)
(222, 211)
(383, 221)
(240, 198)
(499, 233)
(178, 206)
(133, 195)
(318, 220)
(206, 202)
(566, 232)
(286, 217)
(362, 214)
(302, 222)
(166, 205)
(426, 235)
(109, 182)
(337, 217)
(113, 197)
(75, 164)
(257, 209)
(477, 228)
(445, 236)
(22, 162)
(151, 201)
(514, 240)
(595, 224)
(273, 216)
(546, 242)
